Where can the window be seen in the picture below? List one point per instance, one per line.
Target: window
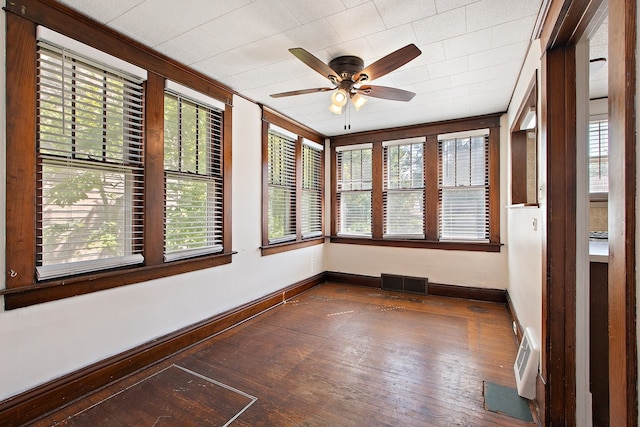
(403, 196)
(599, 156)
(282, 185)
(312, 170)
(86, 170)
(426, 186)
(90, 163)
(464, 188)
(354, 169)
(193, 176)
(292, 186)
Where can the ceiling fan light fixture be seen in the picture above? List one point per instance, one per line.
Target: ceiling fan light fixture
(335, 109)
(358, 101)
(339, 98)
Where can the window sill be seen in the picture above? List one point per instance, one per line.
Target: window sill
(422, 244)
(52, 290)
(289, 246)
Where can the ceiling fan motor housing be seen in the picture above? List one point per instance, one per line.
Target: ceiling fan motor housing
(347, 66)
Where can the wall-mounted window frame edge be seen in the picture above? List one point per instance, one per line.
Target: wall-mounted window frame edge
(271, 117)
(22, 289)
(430, 131)
(520, 172)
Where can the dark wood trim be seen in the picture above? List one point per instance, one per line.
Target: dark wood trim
(333, 192)
(354, 279)
(65, 20)
(227, 179)
(289, 246)
(265, 183)
(20, 144)
(518, 167)
(435, 128)
(298, 169)
(154, 171)
(377, 203)
(80, 285)
(435, 289)
(558, 126)
(40, 400)
(494, 186)
(511, 310)
(432, 200)
(531, 101)
(278, 119)
(424, 244)
(467, 292)
(623, 360)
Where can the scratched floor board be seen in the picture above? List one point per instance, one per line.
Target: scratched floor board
(335, 355)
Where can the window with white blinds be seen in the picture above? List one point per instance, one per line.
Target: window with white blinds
(403, 188)
(281, 186)
(599, 156)
(354, 185)
(90, 164)
(311, 189)
(193, 177)
(464, 188)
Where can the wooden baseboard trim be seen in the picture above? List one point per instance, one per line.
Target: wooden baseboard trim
(439, 289)
(467, 292)
(34, 403)
(354, 279)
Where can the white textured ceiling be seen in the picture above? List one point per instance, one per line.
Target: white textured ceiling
(472, 50)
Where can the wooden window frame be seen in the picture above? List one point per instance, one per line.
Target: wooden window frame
(22, 289)
(521, 171)
(431, 206)
(271, 117)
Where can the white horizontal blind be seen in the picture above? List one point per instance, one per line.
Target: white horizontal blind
(599, 156)
(281, 187)
(403, 190)
(193, 178)
(464, 188)
(311, 191)
(354, 180)
(90, 165)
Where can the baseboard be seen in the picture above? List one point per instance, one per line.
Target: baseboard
(439, 289)
(511, 311)
(34, 403)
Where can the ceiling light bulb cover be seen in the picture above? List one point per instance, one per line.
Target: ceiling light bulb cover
(339, 98)
(358, 101)
(335, 109)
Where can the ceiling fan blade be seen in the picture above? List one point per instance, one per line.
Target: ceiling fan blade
(315, 63)
(389, 63)
(385, 92)
(302, 92)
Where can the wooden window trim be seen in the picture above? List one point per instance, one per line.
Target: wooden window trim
(22, 289)
(271, 117)
(430, 131)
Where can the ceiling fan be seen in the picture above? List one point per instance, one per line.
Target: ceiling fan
(347, 74)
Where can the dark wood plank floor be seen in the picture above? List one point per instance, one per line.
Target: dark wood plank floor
(336, 355)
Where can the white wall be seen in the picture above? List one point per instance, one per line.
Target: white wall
(48, 340)
(524, 245)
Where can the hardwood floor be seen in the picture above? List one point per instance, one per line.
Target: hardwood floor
(336, 355)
